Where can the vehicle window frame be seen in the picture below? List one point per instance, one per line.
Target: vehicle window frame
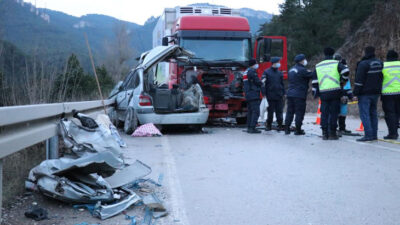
(132, 81)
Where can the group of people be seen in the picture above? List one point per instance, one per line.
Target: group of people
(331, 83)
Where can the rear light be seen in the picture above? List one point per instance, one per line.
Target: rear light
(206, 100)
(144, 100)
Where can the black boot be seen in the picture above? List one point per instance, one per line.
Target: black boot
(280, 127)
(391, 137)
(253, 131)
(333, 135)
(299, 131)
(287, 129)
(268, 127)
(342, 125)
(325, 135)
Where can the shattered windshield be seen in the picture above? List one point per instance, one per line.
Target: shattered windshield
(218, 49)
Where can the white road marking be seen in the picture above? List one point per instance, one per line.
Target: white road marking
(374, 145)
(365, 143)
(176, 195)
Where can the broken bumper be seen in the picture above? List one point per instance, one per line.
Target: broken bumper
(199, 117)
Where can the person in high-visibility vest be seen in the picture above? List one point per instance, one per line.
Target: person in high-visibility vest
(368, 88)
(391, 93)
(347, 95)
(326, 84)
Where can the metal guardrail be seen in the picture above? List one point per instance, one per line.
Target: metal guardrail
(24, 126)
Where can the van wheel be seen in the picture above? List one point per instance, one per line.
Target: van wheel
(131, 121)
(241, 120)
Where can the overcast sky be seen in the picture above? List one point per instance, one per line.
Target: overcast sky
(138, 11)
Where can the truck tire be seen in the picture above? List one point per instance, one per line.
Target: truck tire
(241, 120)
(131, 121)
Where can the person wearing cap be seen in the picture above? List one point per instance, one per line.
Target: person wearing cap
(368, 87)
(299, 78)
(327, 77)
(252, 90)
(347, 95)
(391, 93)
(274, 90)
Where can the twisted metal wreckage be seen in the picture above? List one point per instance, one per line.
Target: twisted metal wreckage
(94, 172)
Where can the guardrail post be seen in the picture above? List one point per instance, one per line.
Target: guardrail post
(1, 189)
(52, 148)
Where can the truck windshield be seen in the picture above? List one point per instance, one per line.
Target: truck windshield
(218, 49)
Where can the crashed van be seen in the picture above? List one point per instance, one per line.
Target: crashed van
(147, 95)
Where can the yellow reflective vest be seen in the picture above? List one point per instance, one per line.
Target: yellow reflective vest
(328, 75)
(391, 78)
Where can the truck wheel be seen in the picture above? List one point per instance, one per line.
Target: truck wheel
(131, 121)
(241, 120)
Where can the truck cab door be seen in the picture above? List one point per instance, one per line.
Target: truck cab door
(267, 47)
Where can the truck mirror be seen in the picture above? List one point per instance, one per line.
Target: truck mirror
(165, 41)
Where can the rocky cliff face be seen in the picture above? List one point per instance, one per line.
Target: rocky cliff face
(381, 30)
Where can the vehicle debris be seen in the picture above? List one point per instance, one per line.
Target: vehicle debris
(153, 203)
(37, 214)
(93, 175)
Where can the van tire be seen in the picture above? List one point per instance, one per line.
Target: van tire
(131, 121)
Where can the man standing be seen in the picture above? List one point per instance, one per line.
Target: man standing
(391, 93)
(326, 84)
(368, 87)
(299, 78)
(273, 89)
(252, 88)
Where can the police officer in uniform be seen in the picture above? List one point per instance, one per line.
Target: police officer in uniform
(326, 83)
(252, 89)
(391, 93)
(274, 90)
(299, 78)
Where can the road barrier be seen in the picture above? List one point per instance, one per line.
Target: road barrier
(27, 125)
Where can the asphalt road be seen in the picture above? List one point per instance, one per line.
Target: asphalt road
(230, 177)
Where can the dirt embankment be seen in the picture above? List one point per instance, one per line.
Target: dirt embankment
(381, 30)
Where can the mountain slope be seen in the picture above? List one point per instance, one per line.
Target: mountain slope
(54, 35)
(381, 30)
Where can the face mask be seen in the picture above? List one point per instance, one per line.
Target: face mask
(305, 62)
(277, 65)
(255, 66)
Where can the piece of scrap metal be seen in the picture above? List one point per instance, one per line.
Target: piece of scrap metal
(129, 174)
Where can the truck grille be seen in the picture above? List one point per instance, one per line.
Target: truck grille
(186, 10)
(215, 11)
(197, 11)
(226, 11)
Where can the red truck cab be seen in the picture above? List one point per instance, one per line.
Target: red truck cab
(222, 44)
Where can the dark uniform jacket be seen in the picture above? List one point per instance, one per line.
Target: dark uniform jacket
(299, 78)
(369, 76)
(251, 84)
(334, 94)
(273, 87)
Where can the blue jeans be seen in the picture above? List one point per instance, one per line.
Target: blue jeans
(367, 105)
